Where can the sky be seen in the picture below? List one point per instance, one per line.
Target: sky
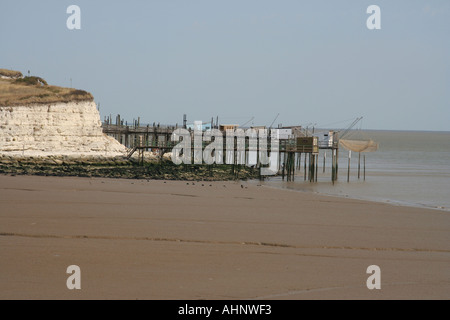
(246, 62)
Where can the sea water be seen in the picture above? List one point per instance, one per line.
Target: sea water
(409, 168)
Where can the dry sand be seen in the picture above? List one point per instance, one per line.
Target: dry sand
(136, 239)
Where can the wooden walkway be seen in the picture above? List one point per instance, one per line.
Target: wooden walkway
(290, 152)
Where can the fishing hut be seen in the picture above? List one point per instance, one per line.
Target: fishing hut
(300, 146)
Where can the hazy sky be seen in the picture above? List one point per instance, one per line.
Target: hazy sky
(309, 61)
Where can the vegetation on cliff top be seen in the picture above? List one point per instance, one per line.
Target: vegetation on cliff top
(26, 91)
(10, 73)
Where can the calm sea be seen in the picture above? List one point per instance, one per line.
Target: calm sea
(410, 168)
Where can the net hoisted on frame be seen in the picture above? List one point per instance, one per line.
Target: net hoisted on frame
(359, 145)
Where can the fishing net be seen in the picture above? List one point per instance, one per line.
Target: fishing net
(359, 145)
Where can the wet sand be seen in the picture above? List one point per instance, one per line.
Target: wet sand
(139, 239)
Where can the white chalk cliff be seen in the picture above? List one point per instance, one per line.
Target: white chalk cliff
(72, 129)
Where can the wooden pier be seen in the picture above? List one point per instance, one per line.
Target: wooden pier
(135, 135)
(157, 138)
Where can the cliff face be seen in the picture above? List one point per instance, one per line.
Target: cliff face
(63, 128)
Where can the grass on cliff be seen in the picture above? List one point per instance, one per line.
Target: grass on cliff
(10, 73)
(34, 90)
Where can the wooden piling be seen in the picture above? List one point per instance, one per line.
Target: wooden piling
(348, 171)
(359, 164)
(332, 166)
(324, 158)
(305, 168)
(317, 165)
(279, 162)
(364, 167)
(299, 161)
(292, 166)
(337, 164)
(312, 166)
(288, 165)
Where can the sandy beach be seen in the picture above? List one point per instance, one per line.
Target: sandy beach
(139, 239)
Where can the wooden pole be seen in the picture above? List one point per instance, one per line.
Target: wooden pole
(317, 165)
(293, 166)
(305, 167)
(324, 157)
(290, 166)
(286, 163)
(289, 169)
(299, 161)
(287, 166)
(348, 171)
(316, 158)
(337, 164)
(312, 167)
(332, 166)
(359, 164)
(364, 167)
(309, 167)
